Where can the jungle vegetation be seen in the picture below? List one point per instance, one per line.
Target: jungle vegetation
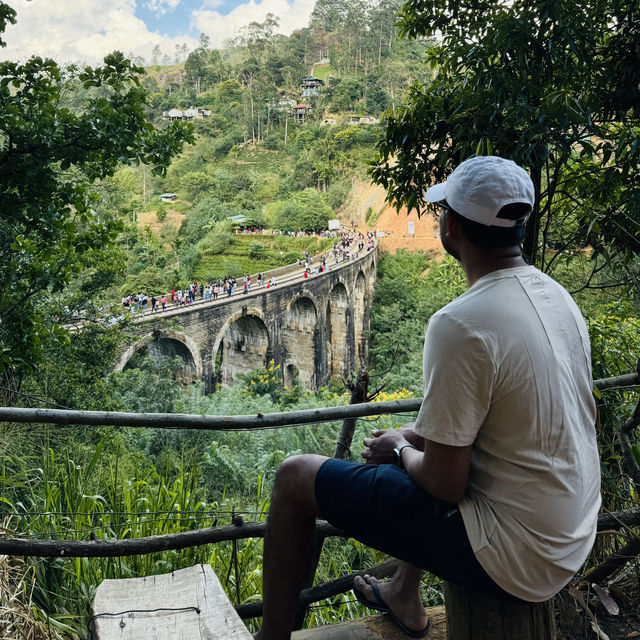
(84, 224)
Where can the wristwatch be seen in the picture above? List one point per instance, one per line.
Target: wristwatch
(397, 455)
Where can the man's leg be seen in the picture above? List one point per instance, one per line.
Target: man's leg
(288, 543)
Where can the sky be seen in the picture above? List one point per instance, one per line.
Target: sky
(85, 31)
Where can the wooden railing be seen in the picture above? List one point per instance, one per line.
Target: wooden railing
(614, 521)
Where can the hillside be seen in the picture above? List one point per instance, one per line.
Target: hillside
(392, 223)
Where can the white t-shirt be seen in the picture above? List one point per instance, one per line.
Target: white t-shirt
(507, 369)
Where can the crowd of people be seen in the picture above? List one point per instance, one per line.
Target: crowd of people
(347, 247)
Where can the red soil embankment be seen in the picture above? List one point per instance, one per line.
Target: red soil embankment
(395, 225)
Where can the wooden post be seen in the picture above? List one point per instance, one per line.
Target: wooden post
(471, 616)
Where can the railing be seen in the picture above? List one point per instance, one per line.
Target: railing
(614, 521)
(285, 275)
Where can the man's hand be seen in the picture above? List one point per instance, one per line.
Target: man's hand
(378, 449)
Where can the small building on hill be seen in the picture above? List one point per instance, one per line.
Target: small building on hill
(192, 113)
(311, 86)
(363, 120)
(300, 112)
(168, 197)
(285, 101)
(237, 221)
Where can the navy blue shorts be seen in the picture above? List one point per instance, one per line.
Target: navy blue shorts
(383, 508)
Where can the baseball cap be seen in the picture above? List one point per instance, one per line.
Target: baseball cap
(479, 187)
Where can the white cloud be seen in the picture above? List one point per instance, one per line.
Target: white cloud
(86, 30)
(83, 31)
(160, 7)
(219, 28)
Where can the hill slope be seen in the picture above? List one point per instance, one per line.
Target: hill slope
(395, 225)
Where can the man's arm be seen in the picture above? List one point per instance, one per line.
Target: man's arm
(441, 470)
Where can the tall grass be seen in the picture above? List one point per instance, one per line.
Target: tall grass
(108, 493)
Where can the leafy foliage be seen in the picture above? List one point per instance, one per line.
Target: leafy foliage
(50, 155)
(306, 210)
(539, 84)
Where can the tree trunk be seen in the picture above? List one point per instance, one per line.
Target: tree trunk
(532, 230)
(359, 394)
(471, 616)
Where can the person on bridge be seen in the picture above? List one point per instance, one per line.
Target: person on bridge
(496, 486)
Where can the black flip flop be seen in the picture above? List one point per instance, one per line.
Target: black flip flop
(379, 605)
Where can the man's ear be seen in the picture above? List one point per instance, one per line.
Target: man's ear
(452, 226)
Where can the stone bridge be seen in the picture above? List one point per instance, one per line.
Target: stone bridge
(314, 328)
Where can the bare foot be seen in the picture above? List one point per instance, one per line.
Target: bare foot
(403, 600)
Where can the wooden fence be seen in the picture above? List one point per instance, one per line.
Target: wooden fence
(614, 521)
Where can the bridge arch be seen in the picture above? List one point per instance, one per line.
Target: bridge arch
(299, 338)
(338, 330)
(242, 345)
(166, 343)
(372, 274)
(360, 299)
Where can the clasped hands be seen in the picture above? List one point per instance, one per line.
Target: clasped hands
(378, 449)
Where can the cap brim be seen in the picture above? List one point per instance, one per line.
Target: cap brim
(437, 193)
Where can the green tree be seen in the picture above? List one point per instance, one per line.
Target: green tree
(329, 14)
(195, 184)
(50, 155)
(555, 89)
(306, 211)
(203, 66)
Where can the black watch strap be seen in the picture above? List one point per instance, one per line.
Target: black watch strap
(397, 455)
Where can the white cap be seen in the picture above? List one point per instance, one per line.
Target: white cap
(479, 187)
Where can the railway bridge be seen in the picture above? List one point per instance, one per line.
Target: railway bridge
(314, 328)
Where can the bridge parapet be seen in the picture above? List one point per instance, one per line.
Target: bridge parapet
(314, 327)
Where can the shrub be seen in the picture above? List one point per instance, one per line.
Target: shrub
(265, 381)
(336, 194)
(290, 257)
(161, 213)
(272, 142)
(257, 250)
(216, 242)
(232, 268)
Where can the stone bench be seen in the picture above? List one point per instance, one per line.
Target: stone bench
(188, 604)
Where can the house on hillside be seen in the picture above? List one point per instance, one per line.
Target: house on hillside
(237, 221)
(168, 197)
(300, 112)
(311, 86)
(192, 113)
(285, 101)
(363, 120)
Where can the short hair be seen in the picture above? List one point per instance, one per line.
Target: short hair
(491, 237)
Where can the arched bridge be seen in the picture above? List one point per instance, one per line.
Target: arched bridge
(314, 328)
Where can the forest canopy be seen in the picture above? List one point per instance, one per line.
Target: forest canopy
(51, 153)
(551, 87)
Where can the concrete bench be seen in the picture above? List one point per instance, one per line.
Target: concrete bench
(188, 604)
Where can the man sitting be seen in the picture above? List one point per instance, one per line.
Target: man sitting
(496, 485)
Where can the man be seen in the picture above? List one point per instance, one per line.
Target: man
(496, 484)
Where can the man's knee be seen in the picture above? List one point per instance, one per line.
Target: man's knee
(296, 476)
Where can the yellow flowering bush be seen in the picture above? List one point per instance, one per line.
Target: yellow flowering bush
(265, 381)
